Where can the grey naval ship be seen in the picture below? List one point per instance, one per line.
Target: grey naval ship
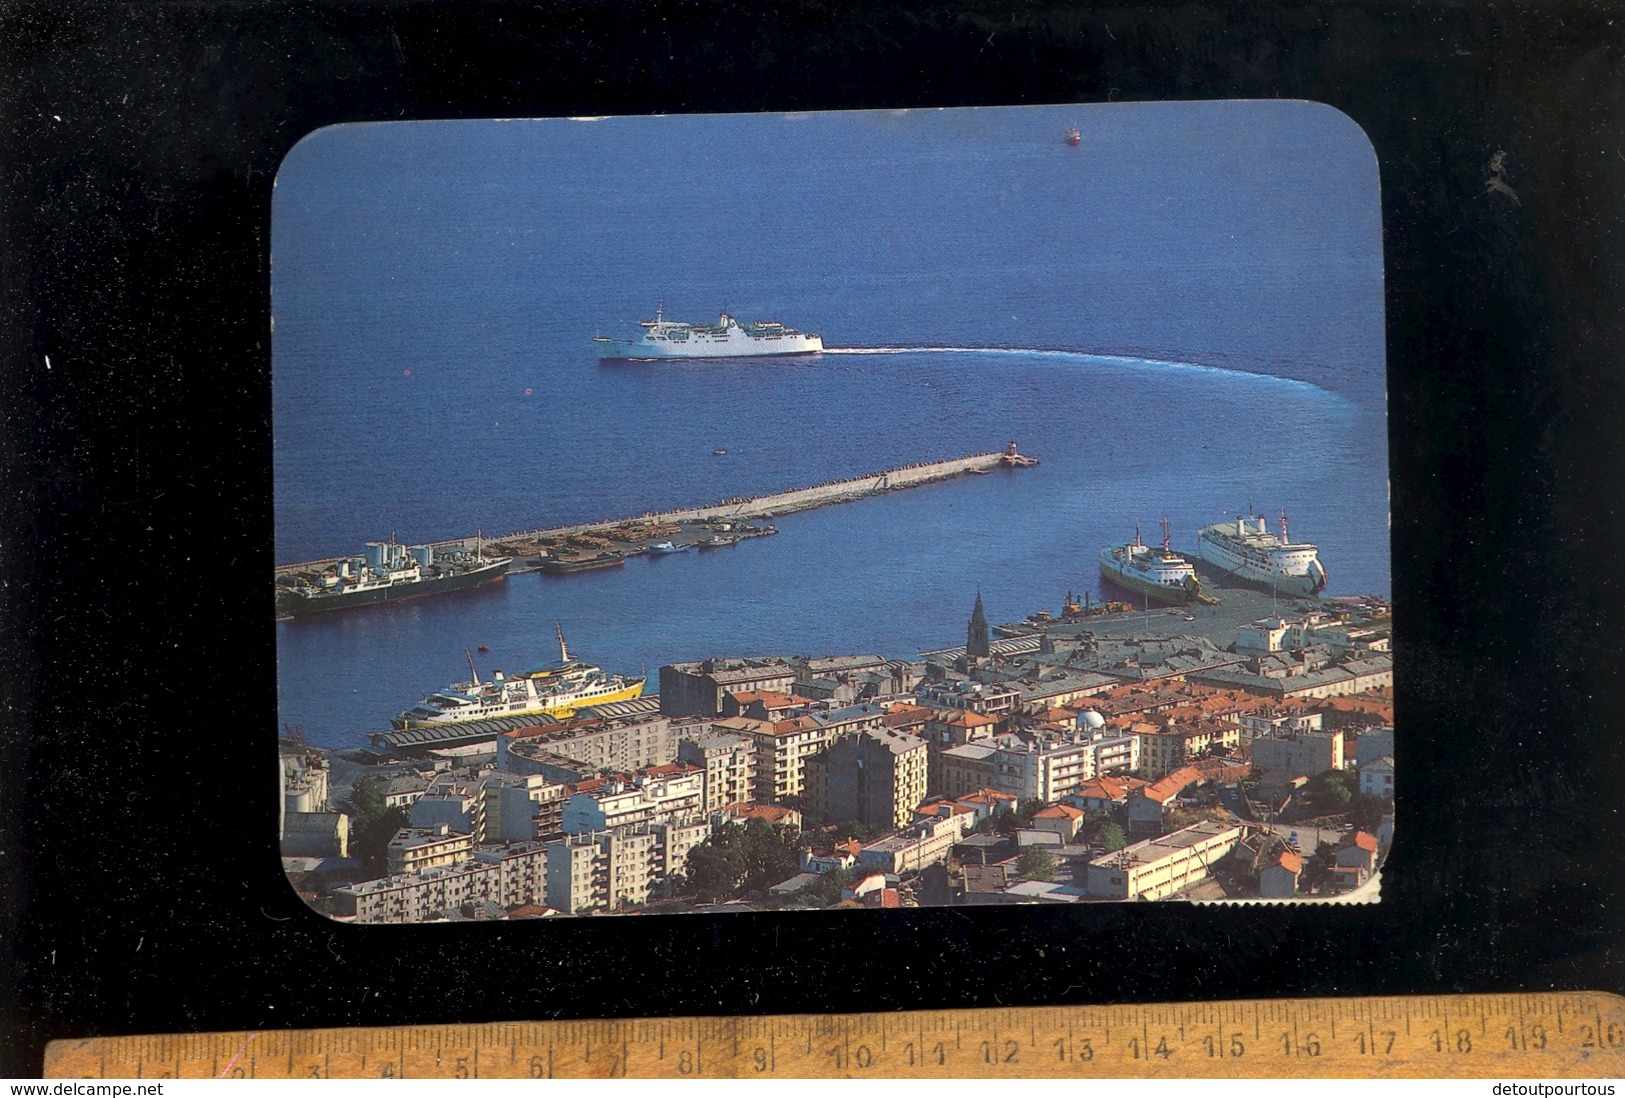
(387, 572)
(727, 338)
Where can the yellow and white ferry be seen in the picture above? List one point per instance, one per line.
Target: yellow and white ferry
(552, 690)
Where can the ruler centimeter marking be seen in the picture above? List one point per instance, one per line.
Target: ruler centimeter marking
(1561, 1034)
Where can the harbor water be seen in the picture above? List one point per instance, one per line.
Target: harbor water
(1181, 317)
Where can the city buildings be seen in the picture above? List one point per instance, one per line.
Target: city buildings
(1155, 869)
(616, 868)
(698, 688)
(1305, 753)
(1169, 744)
(509, 877)
(414, 849)
(873, 775)
(728, 760)
(659, 795)
(1377, 777)
(589, 745)
(915, 847)
(601, 812)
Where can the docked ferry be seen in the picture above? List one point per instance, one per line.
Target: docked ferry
(385, 572)
(1247, 550)
(553, 690)
(1161, 575)
(727, 338)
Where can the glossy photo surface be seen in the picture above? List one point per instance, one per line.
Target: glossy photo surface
(863, 509)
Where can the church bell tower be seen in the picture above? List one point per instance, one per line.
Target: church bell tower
(977, 642)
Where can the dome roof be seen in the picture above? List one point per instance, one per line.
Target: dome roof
(1092, 719)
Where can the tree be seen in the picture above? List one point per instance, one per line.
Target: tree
(714, 872)
(367, 797)
(828, 888)
(737, 859)
(1111, 838)
(373, 825)
(1366, 812)
(1036, 864)
(1317, 869)
(855, 829)
(1333, 793)
(771, 854)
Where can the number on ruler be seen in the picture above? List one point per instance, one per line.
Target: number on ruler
(1381, 1043)
(1309, 1046)
(936, 1054)
(994, 1053)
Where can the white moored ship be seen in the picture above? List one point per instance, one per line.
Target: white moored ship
(1247, 550)
(728, 338)
(552, 690)
(1161, 575)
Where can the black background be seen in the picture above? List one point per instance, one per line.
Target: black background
(141, 890)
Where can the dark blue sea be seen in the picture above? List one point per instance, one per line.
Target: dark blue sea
(1182, 316)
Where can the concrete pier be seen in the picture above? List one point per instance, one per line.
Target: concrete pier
(753, 507)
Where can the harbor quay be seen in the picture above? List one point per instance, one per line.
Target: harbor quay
(722, 522)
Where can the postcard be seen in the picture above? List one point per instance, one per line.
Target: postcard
(843, 510)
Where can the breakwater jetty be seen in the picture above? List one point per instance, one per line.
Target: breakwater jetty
(636, 534)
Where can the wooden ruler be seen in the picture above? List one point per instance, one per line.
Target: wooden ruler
(1547, 1035)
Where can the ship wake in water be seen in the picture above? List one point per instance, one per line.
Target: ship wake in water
(1076, 356)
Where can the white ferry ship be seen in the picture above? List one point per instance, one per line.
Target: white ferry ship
(728, 338)
(552, 690)
(1247, 550)
(1162, 576)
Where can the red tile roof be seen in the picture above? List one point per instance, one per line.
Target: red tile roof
(772, 813)
(530, 730)
(933, 810)
(1101, 789)
(1059, 812)
(964, 718)
(1364, 840)
(1220, 770)
(986, 798)
(794, 724)
(1292, 863)
(1166, 789)
(770, 699)
(1372, 704)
